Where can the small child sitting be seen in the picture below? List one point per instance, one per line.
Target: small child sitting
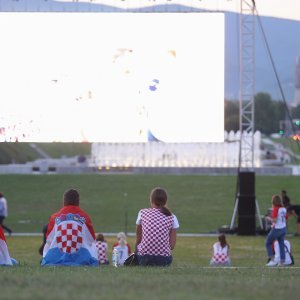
(220, 255)
(101, 245)
(123, 248)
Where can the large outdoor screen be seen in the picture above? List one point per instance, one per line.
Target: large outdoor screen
(112, 77)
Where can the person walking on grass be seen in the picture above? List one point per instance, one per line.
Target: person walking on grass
(277, 232)
(70, 237)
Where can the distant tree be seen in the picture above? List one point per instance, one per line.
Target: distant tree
(279, 114)
(296, 112)
(231, 115)
(266, 116)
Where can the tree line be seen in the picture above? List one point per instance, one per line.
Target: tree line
(267, 114)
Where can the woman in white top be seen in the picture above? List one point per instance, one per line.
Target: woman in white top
(220, 256)
(277, 232)
(156, 231)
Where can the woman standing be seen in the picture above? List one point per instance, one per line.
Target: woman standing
(156, 231)
(277, 232)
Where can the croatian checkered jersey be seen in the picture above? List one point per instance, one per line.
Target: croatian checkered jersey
(220, 255)
(102, 252)
(4, 254)
(70, 239)
(156, 229)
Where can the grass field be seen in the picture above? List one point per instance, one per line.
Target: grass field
(201, 203)
(189, 277)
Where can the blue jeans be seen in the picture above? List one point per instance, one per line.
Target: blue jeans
(154, 260)
(276, 234)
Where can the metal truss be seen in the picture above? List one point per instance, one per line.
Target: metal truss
(246, 153)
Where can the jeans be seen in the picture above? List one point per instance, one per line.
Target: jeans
(276, 234)
(154, 260)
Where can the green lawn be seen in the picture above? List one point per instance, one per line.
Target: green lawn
(22, 152)
(16, 153)
(202, 203)
(189, 277)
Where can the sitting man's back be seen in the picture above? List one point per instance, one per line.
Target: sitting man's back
(70, 236)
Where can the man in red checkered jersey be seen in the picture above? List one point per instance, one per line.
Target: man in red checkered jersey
(70, 237)
(156, 231)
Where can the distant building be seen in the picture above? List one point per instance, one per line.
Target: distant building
(297, 82)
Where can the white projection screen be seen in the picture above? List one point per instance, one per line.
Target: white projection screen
(112, 77)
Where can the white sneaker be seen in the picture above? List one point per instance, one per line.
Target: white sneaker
(271, 263)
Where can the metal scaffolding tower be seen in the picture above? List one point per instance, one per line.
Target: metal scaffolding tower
(246, 153)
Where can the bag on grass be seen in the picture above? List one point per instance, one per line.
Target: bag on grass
(131, 260)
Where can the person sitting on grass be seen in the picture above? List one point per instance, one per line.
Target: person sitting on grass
(70, 237)
(156, 231)
(288, 256)
(101, 245)
(123, 248)
(5, 259)
(220, 255)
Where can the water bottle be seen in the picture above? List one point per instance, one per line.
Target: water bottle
(114, 259)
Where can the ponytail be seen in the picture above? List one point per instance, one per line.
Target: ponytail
(165, 211)
(159, 197)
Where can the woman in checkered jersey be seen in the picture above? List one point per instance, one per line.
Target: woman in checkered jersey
(220, 256)
(156, 231)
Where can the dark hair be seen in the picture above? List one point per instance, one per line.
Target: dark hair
(222, 240)
(276, 200)
(71, 197)
(100, 237)
(1, 195)
(159, 197)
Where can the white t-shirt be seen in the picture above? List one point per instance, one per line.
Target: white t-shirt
(288, 259)
(175, 225)
(220, 255)
(123, 253)
(3, 207)
(280, 215)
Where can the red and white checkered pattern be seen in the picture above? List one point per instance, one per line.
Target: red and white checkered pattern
(220, 258)
(156, 232)
(101, 251)
(69, 237)
(221, 254)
